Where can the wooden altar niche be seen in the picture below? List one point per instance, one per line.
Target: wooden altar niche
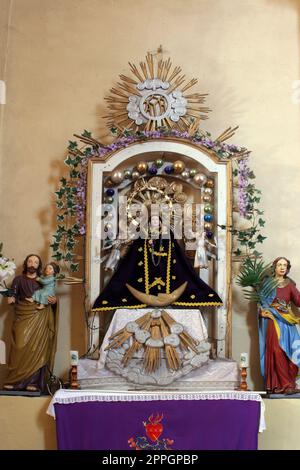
(218, 274)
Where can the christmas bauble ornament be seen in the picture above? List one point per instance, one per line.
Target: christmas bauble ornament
(178, 167)
(117, 177)
(142, 167)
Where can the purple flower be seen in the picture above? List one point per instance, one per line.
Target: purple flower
(243, 174)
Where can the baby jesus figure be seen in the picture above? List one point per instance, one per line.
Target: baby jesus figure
(48, 281)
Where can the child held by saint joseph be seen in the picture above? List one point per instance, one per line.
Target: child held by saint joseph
(48, 281)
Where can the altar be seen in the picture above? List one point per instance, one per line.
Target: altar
(97, 420)
(159, 249)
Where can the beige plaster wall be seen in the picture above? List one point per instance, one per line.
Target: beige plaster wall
(63, 57)
(25, 425)
(282, 422)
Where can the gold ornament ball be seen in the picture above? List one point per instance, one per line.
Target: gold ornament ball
(178, 167)
(135, 175)
(117, 177)
(199, 179)
(208, 226)
(210, 183)
(193, 173)
(142, 167)
(206, 198)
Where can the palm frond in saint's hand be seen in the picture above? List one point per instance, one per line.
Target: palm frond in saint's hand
(254, 273)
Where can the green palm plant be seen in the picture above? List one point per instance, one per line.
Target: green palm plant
(258, 275)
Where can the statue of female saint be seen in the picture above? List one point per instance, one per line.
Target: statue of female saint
(278, 332)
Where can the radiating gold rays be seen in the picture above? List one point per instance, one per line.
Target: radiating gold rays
(157, 346)
(154, 88)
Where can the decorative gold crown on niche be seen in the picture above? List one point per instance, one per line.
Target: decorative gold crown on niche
(156, 97)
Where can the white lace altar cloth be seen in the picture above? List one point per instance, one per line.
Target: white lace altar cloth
(67, 397)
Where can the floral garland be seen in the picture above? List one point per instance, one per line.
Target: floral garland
(248, 199)
(71, 195)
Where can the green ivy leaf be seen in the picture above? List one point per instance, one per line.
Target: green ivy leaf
(260, 238)
(68, 256)
(70, 204)
(72, 145)
(57, 237)
(86, 133)
(87, 151)
(251, 245)
(54, 246)
(60, 193)
(261, 222)
(70, 244)
(76, 161)
(74, 174)
(69, 161)
(61, 229)
(256, 253)
(74, 267)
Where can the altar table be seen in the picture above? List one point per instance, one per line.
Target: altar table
(97, 420)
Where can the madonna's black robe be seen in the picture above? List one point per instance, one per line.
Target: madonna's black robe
(138, 269)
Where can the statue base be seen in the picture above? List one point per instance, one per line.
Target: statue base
(21, 393)
(217, 374)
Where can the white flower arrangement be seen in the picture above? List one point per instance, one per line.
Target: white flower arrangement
(7, 271)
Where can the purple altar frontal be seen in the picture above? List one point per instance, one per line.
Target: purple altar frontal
(96, 420)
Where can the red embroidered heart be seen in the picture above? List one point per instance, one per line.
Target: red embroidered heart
(153, 431)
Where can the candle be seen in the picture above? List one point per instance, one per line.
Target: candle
(244, 362)
(74, 358)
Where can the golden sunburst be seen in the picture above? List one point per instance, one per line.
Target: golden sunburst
(165, 199)
(156, 97)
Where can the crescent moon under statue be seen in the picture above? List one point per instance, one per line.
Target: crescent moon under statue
(160, 300)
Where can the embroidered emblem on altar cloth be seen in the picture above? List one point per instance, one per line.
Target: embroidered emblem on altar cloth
(153, 430)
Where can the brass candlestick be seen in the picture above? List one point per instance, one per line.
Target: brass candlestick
(73, 373)
(243, 384)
